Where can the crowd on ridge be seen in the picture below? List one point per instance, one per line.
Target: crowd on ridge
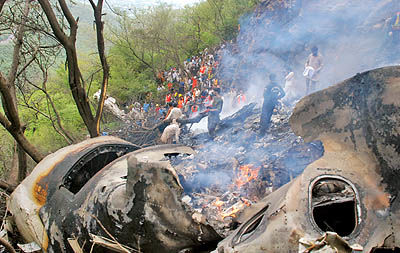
(190, 89)
(196, 89)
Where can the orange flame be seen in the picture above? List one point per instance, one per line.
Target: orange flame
(246, 201)
(246, 174)
(231, 211)
(218, 203)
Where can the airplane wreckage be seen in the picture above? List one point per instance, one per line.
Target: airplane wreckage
(106, 188)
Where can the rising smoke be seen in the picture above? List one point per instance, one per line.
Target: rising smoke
(352, 36)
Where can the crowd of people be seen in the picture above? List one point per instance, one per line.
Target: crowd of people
(195, 90)
(191, 88)
(187, 92)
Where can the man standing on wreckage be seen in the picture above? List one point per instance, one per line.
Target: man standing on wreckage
(272, 93)
(214, 111)
(348, 200)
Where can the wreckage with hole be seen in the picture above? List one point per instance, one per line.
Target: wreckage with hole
(103, 193)
(346, 201)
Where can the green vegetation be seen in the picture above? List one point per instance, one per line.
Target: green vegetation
(6, 152)
(39, 128)
(140, 44)
(146, 41)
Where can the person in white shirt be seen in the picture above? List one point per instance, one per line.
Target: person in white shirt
(175, 113)
(171, 132)
(313, 68)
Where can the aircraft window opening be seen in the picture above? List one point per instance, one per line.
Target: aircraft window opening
(249, 227)
(169, 155)
(334, 206)
(91, 163)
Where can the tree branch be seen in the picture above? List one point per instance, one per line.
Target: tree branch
(1, 4)
(55, 26)
(101, 50)
(71, 20)
(9, 188)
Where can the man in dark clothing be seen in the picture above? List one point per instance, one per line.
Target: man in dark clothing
(181, 89)
(214, 111)
(272, 93)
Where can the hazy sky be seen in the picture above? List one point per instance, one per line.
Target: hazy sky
(143, 3)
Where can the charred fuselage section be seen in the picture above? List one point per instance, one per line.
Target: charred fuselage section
(103, 187)
(352, 189)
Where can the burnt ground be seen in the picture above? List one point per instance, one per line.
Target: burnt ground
(239, 167)
(215, 180)
(214, 183)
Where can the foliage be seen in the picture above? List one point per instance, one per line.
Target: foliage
(6, 151)
(147, 41)
(218, 20)
(144, 42)
(39, 128)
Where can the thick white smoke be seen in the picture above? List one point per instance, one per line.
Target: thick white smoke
(352, 36)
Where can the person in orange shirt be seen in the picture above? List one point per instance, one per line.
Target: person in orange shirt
(180, 101)
(195, 109)
(203, 69)
(241, 98)
(194, 82)
(168, 98)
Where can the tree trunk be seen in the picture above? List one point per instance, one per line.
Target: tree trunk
(2, 4)
(13, 174)
(97, 9)
(22, 163)
(20, 138)
(11, 121)
(74, 75)
(79, 93)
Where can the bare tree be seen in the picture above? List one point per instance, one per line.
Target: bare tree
(8, 84)
(11, 120)
(75, 79)
(2, 2)
(97, 9)
(42, 51)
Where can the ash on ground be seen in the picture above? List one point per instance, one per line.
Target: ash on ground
(239, 167)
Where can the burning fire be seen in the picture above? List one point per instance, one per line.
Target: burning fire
(246, 174)
(218, 203)
(231, 211)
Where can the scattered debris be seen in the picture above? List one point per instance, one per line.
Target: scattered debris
(101, 187)
(239, 168)
(110, 244)
(73, 242)
(329, 243)
(30, 247)
(352, 189)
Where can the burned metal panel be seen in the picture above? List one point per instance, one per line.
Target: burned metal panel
(136, 199)
(357, 121)
(362, 112)
(44, 181)
(92, 189)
